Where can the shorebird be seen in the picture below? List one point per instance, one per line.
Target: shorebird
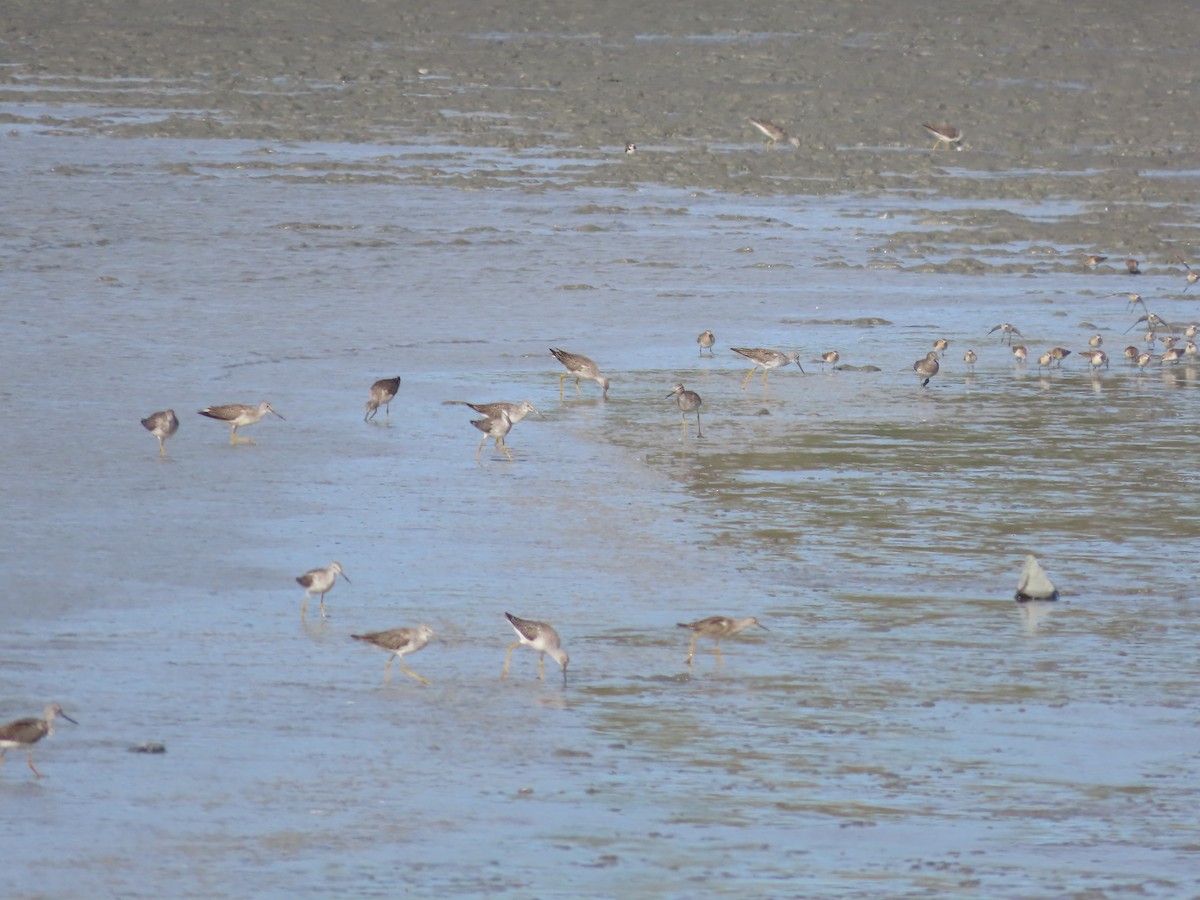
(1096, 358)
(1006, 330)
(688, 401)
(926, 368)
(706, 340)
(1174, 355)
(1132, 267)
(537, 636)
(1192, 277)
(319, 581)
(766, 360)
(1092, 261)
(1152, 321)
(162, 425)
(970, 358)
(830, 358)
(237, 415)
(1059, 354)
(717, 627)
(1132, 352)
(1096, 341)
(27, 732)
(398, 642)
(1143, 359)
(1045, 360)
(630, 148)
(940, 345)
(1190, 349)
(580, 367)
(515, 411)
(1020, 353)
(496, 427)
(1133, 298)
(774, 133)
(944, 135)
(382, 393)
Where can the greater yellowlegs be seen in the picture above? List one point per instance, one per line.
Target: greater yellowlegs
(970, 358)
(580, 367)
(25, 733)
(162, 425)
(688, 401)
(237, 415)
(399, 642)
(1006, 331)
(774, 133)
(706, 340)
(717, 627)
(926, 368)
(515, 411)
(382, 393)
(766, 360)
(319, 581)
(537, 636)
(496, 427)
(944, 136)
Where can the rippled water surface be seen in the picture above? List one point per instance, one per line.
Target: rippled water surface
(904, 728)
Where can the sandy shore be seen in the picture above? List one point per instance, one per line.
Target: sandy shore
(1071, 100)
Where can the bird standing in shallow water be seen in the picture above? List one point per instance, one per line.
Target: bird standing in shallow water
(27, 732)
(540, 637)
(926, 368)
(319, 581)
(496, 427)
(717, 627)
(399, 642)
(515, 411)
(382, 393)
(688, 401)
(774, 133)
(944, 136)
(766, 360)
(970, 358)
(162, 425)
(706, 339)
(580, 367)
(237, 415)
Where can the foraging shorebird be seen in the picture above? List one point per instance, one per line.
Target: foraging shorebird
(926, 368)
(1131, 266)
(830, 358)
(630, 148)
(706, 340)
(398, 642)
(774, 133)
(537, 636)
(970, 358)
(580, 367)
(382, 393)
(238, 415)
(766, 360)
(944, 136)
(1059, 354)
(24, 733)
(1096, 341)
(1132, 352)
(1020, 353)
(495, 427)
(717, 627)
(940, 345)
(1006, 331)
(1035, 584)
(319, 581)
(1045, 361)
(1096, 358)
(515, 411)
(688, 401)
(1092, 261)
(1174, 355)
(162, 425)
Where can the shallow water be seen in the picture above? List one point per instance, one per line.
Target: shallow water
(904, 728)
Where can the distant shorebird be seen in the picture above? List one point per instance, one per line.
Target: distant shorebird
(717, 627)
(238, 415)
(630, 148)
(1132, 352)
(537, 636)
(1092, 261)
(1059, 354)
(926, 368)
(1006, 331)
(1174, 355)
(1096, 341)
(970, 358)
(940, 345)
(706, 340)
(688, 401)
(399, 642)
(515, 411)
(829, 358)
(162, 425)
(1035, 584)
(319, 581)
(774, 133)
(1192, 277)
(944, 136)
(495, 427)
(1096, 358)
(1152, 321)
(1020, 353)
(766, 360)
(382, 393)
(1131, 265)
(1045, 360)
(24, 733)
(580, 367)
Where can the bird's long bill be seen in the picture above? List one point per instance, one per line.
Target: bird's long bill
(278, 415)
(800, 367)
(68, 718)
(762, 626)
(536, 410)
(670, 395)
(347, 577)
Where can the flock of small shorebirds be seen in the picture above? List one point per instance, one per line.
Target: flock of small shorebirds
(498, 419)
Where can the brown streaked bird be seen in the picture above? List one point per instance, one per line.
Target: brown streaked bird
(688, 401)
(1045, 360)
(1092, 261)
(239, 415)
(1132, 352)
(1170, 341)
(830, 358)
(398, 642)
(1189, 349)
(1174, 355)
(766, 360)
(1020, 353)
(940, 345)
(1131, 266)
(1059, 354)
(926, 368)
(1144, 359)
(495, 427)
(1152, 321)
(944, 136)
(537, 636)
(717, 627)
(1192, 330)
(706, 339)
(1006, 331)
(515, 411)
(24, 733)
(162, 425)
(1096, 341)
(970, 358)
(774, 133)
(580, 367)
(319, 581)
(1096, 358)
(382, 393)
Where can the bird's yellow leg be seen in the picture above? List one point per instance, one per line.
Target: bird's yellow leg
(36, 773)
(479, 450)
(304, 608)
(765, 377)
(720, 658)
(692, 648)
(507, 659)
(561, 379)
(233, 436)
(577, 385)
(412, 674)
(503, 446)
(746, 380)
(322, 606)
(387, 670)
(162, 449)
(541, 665)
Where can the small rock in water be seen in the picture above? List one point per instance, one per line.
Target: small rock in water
(1035, 584)
(148, 747)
